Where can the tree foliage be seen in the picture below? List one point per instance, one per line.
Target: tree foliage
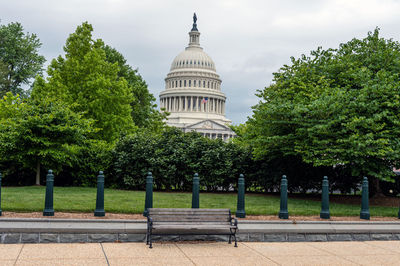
(35, 134)
(87, 82)
(144, 110)
(336, 107)
(20, 61)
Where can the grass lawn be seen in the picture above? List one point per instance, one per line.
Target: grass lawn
(77, 199)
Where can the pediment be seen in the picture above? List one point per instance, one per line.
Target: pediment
(208, 124)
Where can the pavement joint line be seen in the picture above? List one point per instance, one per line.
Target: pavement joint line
(372, 245)
(19, 253)
(335, 255)
(185, 254)
(259, 253)
(105, 255)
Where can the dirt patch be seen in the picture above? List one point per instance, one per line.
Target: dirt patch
(72, 215)
(316, 218)
(68, 215)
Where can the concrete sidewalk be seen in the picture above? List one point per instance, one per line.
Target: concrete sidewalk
(305, 253)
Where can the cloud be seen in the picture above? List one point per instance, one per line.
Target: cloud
(248, 40)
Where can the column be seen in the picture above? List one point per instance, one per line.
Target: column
(214, 105)
(191, 103)
(167, 102)
(223, 107)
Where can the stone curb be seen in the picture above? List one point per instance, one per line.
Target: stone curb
(17, 230)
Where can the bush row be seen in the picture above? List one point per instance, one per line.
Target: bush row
(173, 157)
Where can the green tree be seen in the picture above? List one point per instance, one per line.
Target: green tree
(144, 110)
(19, 53)
(336, 107)
(37, 134)
(87, 82)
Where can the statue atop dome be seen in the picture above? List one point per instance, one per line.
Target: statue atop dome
(194, 28)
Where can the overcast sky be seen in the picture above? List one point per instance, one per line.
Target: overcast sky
(248, 40)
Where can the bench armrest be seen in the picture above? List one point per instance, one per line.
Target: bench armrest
(149, 221)
(234, 221)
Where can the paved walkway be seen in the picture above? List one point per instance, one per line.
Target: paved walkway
(248, 253)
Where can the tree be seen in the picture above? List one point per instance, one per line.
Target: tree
(337, 107)
(19, 53)
(37, 134)
(144, 112)
(88, 83)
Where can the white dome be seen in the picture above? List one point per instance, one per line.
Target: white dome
(192, 95)
(193, 57)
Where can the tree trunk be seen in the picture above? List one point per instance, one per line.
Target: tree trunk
(38, 173)
(378, 193)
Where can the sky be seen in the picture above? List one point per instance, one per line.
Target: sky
(248, 40)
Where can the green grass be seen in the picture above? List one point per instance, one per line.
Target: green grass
(77, 199)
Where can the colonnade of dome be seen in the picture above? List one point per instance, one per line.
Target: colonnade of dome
(193, 104)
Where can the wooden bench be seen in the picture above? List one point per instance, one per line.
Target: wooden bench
(190, 222)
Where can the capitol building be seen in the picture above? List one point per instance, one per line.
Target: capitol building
(193, 95)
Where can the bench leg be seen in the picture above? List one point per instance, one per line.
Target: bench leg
(150, 242)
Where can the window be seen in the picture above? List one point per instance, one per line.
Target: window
(180, 83)
(184, 83)
(176, 83)
(204, 83)
(208, 85)
(190, 83)
(194, 83)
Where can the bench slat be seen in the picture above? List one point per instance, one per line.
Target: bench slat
(178, 217)
(187, 209)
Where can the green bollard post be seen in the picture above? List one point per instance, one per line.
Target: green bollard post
(48, 203)
(364, 214)
(1, 212)
(100, 196)
(325, 214)
(240, 212)
(283, 212)
(149, 194)
(195, 192)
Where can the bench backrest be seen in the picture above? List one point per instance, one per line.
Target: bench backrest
(190, 215)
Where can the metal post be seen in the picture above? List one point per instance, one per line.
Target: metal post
(364, 214)
(195, 192)
(48, 203)
(283, 212)
(100, 196)
(240, 212)
(325, 214)
(149, 194)
(1, 212)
